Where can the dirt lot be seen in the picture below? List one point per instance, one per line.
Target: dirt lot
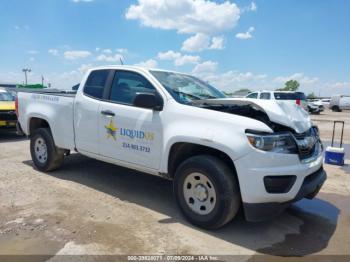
(90, 207)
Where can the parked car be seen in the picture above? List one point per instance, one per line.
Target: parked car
(325, 102)
(296, 97)
(8, 118)
(315, 106)
(220, 152)
(339, 103)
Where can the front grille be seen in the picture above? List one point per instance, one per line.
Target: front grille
(307, 143)
(8, 115)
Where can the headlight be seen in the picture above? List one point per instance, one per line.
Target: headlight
(277, 143)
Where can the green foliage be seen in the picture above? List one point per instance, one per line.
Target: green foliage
(243, 90)
(38, 86)
(291, 85)
(311, 96)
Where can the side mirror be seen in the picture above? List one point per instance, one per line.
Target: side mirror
(148, 100)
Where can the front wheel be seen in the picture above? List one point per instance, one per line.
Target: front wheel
(207, 191)
(45, 155)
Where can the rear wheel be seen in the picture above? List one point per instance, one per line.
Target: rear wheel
(45, 155)
(336, 109)
(207, 191)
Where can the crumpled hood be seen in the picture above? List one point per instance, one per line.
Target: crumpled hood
(284, 113)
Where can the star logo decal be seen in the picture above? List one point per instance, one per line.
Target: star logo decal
(111, 130)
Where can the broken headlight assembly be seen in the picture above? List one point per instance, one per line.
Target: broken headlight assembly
(276, 143)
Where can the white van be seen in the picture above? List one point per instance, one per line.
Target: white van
(339, 103)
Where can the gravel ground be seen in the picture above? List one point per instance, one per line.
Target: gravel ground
(90, 207)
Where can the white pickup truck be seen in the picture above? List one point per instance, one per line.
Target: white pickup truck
(221, 153)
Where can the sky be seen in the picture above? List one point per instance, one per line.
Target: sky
(232, 44)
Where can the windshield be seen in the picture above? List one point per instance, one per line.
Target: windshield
(5, 96)
(186, 88)
(289, 96)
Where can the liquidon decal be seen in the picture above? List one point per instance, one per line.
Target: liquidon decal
(130, 137)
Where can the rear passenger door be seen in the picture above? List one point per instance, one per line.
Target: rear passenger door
(128, 133)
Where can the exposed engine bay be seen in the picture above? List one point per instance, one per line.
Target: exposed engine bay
(247, 110)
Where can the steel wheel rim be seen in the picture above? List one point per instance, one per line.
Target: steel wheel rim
(40, 150)
(199, 193)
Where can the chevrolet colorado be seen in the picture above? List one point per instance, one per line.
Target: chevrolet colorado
(220, 152)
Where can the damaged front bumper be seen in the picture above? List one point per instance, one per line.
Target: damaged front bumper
(309, 189)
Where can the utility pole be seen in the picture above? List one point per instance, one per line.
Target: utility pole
(26, 70)
(42, 80)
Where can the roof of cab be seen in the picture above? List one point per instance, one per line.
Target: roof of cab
(136, 68)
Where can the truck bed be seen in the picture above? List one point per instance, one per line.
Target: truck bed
(49, 91)
(54, 106)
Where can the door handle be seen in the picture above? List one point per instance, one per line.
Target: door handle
(107, 113)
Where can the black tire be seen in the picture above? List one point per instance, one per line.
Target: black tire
(336, 109)
(223, 178)
(55, 155)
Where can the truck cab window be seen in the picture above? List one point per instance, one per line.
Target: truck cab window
(266, 96)
(95, 84)
(126, 85)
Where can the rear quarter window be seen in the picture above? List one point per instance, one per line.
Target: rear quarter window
(289, 96)
(95, 83)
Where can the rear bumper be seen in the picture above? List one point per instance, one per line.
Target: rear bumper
(309, 189)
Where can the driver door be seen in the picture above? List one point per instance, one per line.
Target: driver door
(128, 133)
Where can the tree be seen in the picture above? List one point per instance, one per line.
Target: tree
(244, 90)
(291, 85)
(311, 96)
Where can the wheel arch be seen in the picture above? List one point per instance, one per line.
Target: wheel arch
(37, 122)
(180, 151)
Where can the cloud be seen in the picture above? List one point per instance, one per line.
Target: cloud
(246, 35)
(345, 85)
(217, 42)
(205, 68)
(185, 16)
(110, 58)
(196, 43)
(84, 67)
(32, 59)
(200, 42)
(150, 63)
(253, 6)
(231, 80)
(107, 51)
(178, 58)
(53, 52)
(122, 50)
(77, 54)
(300, 77)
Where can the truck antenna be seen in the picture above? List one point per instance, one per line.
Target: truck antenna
(121, 60)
